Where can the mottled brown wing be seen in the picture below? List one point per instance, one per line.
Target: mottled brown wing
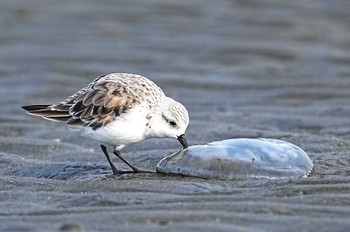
(94, 107)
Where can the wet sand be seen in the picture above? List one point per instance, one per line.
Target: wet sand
(244, 69)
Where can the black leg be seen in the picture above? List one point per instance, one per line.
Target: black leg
(135, 169)
(114, 169)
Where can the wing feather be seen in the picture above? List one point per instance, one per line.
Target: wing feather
(101, 101)
(96, 107)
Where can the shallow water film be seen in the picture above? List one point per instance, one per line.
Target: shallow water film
(239, 158)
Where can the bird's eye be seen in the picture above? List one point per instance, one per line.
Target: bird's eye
(171, 122)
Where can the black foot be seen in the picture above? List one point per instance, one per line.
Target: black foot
(120, 172)
(114, 169)
(136, 170)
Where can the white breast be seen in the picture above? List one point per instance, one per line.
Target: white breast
(128, 128)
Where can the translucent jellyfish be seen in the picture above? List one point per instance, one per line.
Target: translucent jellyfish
(239, 158)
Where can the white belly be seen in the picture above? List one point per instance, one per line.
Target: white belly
(126, 129)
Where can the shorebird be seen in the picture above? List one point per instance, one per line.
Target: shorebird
(117, 110)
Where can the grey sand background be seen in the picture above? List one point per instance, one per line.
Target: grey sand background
(276, 69)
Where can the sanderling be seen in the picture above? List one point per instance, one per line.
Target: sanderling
(117, 110)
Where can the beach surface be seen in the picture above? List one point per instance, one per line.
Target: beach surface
(243, 69)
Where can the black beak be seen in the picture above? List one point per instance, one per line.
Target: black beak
(183, 141)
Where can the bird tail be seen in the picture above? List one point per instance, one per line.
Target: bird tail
(48, 112)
